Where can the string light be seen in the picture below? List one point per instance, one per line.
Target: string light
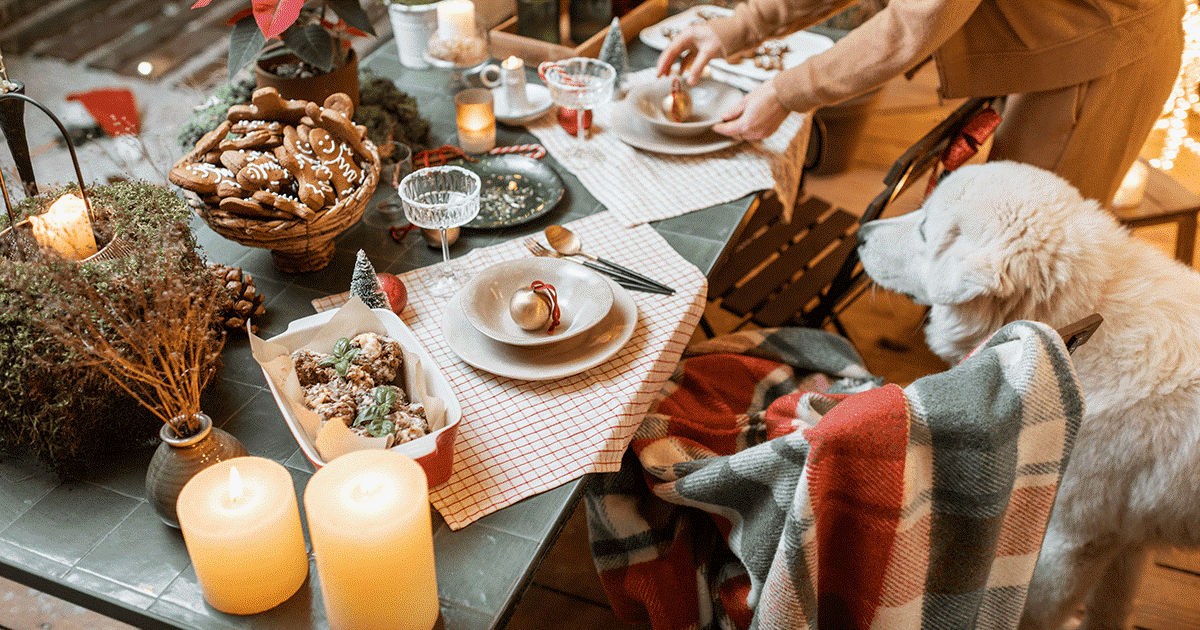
(1183, 100)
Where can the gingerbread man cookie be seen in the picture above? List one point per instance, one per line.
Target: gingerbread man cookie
(312, 177)
(286, 203)
(199, 177)
(267, 104)
(262, 172)
(340, 126)
(338, 157)
(208, 141)
(251, 208)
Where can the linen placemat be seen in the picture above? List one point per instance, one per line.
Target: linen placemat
(519, 438)
(640, 186)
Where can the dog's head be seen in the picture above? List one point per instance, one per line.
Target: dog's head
(1009, 234)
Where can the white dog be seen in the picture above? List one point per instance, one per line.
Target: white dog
(1004, 241)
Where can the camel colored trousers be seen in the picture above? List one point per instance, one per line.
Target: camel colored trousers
(1091, 133)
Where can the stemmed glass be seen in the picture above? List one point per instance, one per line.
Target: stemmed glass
(441, 197)
(579, 83)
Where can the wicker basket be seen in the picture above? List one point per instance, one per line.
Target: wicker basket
(297, 246)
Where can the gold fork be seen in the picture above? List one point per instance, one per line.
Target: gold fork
(537, 249)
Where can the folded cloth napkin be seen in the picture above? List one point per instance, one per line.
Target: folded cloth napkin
(771, 505)
(639, 186)
(519, 438)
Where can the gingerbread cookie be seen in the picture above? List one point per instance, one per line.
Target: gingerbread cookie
(251, 208)
(198, 177)
(263, 172)
(286, 203)
(340, 102)
(267, 104)
(340, 126)
(257, 139)
(247, 126)
(338, 157)
(312, 177)
(208, 141)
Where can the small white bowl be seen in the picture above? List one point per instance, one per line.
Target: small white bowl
(584, 298)
(710, 99)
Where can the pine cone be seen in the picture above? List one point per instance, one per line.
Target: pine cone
(243, 300)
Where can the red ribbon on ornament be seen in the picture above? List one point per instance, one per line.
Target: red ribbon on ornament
(966, 145)
(548, 289)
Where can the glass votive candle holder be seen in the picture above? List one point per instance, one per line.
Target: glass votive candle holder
(476, 116)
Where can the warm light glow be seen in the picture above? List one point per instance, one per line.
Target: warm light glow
(1183, 100)
(65, 227)
(368, 484)
(145, 68)
(235, 484)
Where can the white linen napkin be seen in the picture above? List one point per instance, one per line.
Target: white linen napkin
(640, 186)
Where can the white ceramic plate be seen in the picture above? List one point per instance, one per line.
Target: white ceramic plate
(801, 45)
(537, 96)
(710, 99)
(540, 363)
(657, 36)
(633, 130)
(584, 298)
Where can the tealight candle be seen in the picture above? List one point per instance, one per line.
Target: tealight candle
(512, 73)
(456, 19)
(476, 120)
(368, 516)
(241, 525)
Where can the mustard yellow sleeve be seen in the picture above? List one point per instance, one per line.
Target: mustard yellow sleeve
(902, 34)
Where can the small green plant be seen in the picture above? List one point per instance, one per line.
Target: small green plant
(318, 35)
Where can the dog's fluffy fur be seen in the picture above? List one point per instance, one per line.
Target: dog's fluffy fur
(1004, 241)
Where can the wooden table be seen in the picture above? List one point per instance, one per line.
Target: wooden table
(96, 542)
(1166, 201)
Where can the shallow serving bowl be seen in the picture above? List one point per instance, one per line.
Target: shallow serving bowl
(584, 298)
(434, 452)
(710, 99)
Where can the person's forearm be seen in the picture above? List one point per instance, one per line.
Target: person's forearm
(895, 39)
(758, 20)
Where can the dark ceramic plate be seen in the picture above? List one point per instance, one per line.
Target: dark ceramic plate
(514, 189)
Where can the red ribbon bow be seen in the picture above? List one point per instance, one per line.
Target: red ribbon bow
(966, 145)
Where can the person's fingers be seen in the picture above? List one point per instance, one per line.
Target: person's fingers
(702, 57)
(681, 42)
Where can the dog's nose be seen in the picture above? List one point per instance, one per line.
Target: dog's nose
(863, 232)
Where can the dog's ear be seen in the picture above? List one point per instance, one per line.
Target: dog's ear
(957, 280)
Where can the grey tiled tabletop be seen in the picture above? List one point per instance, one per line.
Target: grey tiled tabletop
(96, 541)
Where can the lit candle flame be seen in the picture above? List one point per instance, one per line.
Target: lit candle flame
(368, 484)
(235, 484)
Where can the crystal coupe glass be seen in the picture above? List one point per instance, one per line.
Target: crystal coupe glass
(579, 83)
(438, 198)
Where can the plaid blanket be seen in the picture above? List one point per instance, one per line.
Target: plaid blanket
(774, 485)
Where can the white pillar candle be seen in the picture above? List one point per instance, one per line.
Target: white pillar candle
(368, 516)
(241, 525)
(512, 73)
(476, 117)
(456, 19)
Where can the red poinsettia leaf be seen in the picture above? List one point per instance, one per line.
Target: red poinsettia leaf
(201, 3)
(355, 32)
(274, 16)
(239, 16)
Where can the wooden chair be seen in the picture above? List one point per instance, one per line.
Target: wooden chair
(805, 271)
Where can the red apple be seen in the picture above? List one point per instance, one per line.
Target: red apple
(566, 118)
(394, 289)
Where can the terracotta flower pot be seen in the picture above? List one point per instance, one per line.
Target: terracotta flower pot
(178, 459)
(342, 79)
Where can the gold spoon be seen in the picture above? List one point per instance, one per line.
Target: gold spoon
(565, 242)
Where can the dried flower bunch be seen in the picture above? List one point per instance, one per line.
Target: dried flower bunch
(81, 342)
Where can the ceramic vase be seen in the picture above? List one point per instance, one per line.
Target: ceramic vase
(412, 26)
(178, 459)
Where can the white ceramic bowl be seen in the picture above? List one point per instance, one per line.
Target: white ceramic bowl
(584, 298)
(710, 99)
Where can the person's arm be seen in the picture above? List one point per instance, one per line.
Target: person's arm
(893, 40)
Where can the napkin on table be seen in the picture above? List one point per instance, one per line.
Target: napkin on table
(518, 438)
(640, 186)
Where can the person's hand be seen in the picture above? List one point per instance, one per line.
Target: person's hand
(694, 47)
(758, 115)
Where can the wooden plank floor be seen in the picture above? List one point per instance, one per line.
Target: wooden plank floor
(566, 593)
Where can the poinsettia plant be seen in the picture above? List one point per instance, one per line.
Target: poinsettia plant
(318, 35)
